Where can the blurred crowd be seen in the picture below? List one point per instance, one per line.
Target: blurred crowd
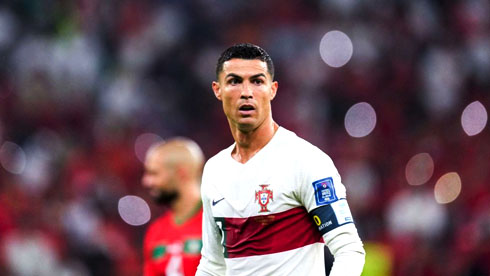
(81, 80)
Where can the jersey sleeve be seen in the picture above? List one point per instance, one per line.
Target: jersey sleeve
(324, 196)
(212, 258)
(320, 182)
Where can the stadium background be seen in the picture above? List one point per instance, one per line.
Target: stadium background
(86, 85)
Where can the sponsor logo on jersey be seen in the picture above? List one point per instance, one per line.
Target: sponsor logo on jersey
(326, 224)
(324, 191)
(319, 223)
(317, 220)
(263, 196)
(217, 201)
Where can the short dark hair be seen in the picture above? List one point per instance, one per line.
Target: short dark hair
(245, 51)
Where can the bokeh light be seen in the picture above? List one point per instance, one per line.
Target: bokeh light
(336, 48)
(143, 142)
(419, 169)
(134, 210)
(414, 211)
(360, 120)
(361, 180)
(474, 118)
(12, 158)
(8, 26)
(379, 259)
(447, 188)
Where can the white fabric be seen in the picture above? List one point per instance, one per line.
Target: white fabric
(288, 165)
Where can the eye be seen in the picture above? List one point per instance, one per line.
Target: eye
(233, 81)
(257, 81)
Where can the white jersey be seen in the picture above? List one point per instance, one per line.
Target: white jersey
(259, 217)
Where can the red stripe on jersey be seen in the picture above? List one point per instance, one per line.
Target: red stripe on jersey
(269, 234)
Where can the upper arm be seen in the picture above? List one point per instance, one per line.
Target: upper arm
(322, 192)
(319, 181)
(212, 258)
(324, 197)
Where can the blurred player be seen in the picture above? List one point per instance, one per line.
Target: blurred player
(271, 200)
(172, 175)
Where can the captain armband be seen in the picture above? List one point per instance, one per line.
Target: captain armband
(331, 216)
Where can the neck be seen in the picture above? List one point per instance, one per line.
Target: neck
(184, 207)
(249, 142)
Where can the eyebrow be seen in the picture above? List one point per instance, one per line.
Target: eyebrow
(239, 77)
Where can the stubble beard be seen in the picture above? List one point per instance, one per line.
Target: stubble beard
(166, 198)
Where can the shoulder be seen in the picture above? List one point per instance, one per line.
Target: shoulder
(310, 162)
(154, 231)
(213, 168)
(158, 223)
(299, 147)
(220, 158)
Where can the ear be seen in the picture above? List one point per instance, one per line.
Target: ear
(216, 90)
(274, 87)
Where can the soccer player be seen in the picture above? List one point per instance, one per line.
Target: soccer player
(271, 200)
(172, 175)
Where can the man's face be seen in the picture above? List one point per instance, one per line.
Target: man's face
(246, 89)
(159, 179)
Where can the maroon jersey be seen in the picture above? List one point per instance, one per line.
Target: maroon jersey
(171, 248)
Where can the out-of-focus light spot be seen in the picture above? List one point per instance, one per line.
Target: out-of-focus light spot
(143, 143)
(8, 27)
(379, 259)
(12, 158)
(336, 48)
(474, 118)
(360, 120)
(419, 169)
(415, 212)
(361, 180)
(134, 210)
(447, 188)
(1, 127)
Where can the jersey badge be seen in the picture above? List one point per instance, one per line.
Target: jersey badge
(158, 251)
(217, 201)
(264, 197)
(324, 191)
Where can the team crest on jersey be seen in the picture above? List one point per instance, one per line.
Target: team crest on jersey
(264, 196)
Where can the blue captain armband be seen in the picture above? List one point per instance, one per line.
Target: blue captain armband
(331, 216)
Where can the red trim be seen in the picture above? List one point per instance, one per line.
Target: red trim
(269, 234)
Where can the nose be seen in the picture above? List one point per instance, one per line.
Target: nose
(247, 91)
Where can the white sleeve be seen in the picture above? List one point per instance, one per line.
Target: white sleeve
(212, 259)
(322, 193)
(346, 247)
(320, 181)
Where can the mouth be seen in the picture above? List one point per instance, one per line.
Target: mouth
(246, 109)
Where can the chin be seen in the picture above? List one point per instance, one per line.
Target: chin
(165, 198)
(243, 126)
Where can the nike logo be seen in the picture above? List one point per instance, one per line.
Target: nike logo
(217, 201)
